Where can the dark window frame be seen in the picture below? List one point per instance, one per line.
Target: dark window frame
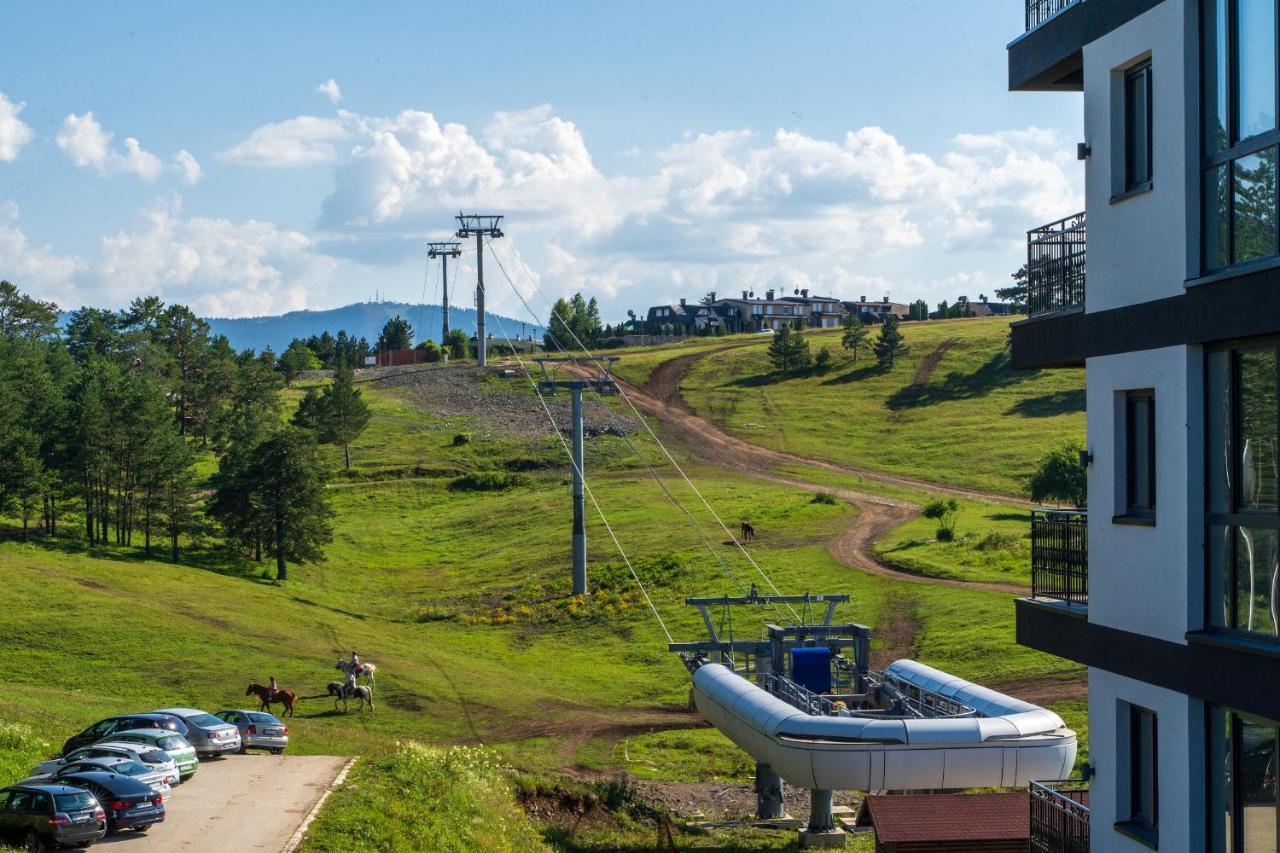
(1235, 148)
(1135, 815)
(1217, 721)
(1133, 509)
(1134, 180)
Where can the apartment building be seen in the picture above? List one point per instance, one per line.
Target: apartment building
(1169, 592)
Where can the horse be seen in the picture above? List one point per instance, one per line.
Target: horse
(340, 691)
(284, 697)
(748, 532)
(365, 669)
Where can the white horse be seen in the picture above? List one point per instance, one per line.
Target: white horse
(365, 669)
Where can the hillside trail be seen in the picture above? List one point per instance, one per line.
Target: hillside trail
(877, 515)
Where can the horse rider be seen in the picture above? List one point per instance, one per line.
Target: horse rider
(352, 669)
(272, 688)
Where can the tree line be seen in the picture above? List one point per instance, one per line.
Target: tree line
(104, 416)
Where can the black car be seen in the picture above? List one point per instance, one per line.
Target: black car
(129, 804)
(41, 816)
(124, 722)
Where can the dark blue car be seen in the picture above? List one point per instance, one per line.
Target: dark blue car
(121, 723)
(128, 803)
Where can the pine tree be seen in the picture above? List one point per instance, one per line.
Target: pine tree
(889, 344)
(343, 415)
(779, 351)
(396, 334)
(855, 335)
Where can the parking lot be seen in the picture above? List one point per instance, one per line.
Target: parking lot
(241, 802)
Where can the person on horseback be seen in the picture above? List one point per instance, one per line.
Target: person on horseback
(272, 687)
(352, 669)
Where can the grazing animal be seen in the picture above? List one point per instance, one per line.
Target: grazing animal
(341, 694)
(748, 532)
(365, 669)
(284, 697)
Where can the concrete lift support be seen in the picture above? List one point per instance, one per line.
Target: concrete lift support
(768, 657)
(602, 383)
(444, 251)
(479, 226)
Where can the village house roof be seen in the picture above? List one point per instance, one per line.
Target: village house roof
(900, 818)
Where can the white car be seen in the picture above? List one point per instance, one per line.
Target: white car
(156, 760)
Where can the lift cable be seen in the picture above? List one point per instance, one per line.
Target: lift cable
(586, 488)
(692, 486)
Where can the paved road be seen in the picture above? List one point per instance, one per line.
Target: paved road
(242, 802)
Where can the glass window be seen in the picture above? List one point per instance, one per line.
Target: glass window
(1218, 455)
(1253, 201)
(1244, 809)
(1255, 574)
(1137, 127)
(1255, 36)
(1143, 767)
(1238, 156)
(1140, 453)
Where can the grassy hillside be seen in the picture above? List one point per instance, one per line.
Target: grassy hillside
(953, 410)
(461, 598)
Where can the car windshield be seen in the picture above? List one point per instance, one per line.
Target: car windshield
(75, 802)
(205, 721)
(172, 742)
(130, 768)
(259, 717)
(154, 756)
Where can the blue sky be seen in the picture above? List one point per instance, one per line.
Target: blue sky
(639, 151)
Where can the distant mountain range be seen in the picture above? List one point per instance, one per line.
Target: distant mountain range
(363, 319)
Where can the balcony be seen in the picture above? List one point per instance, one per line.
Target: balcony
(1056, 266)
(1059, 817)
(1060, 555)
(1039, 11)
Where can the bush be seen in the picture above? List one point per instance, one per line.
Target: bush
(825, 498)
(1060, 477)
(997, 542)
(943, 511)
(425, 798)
(944, 534)
(461, 439)
(487, 481)
(823, 360)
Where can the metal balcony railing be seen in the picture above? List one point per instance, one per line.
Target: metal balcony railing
(1039, 11)
(1060, 555)
(1059, 817)
(1056, 265)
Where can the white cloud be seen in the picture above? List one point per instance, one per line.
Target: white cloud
(87, 145)
(34, 268)
(188, 166)
(300, 141)
(330, 90)
(14, 132)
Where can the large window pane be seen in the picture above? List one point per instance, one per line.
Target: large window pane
(1218, 452)
(1215, 76)
(1256, 37)
(1258, 413)
(1137, 130)
(1257, 788)
(1254, 201)
(1256, 565)
(1140, 453)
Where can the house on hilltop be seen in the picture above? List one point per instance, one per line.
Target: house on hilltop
(875, 311)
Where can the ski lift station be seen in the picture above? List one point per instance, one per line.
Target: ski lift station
(805, 704)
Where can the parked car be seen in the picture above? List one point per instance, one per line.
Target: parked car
(110, 725)
(155, 759)
(209, 735)
(130, 767)
(128, 803)
(258, 729)
(171, 743)
(38, 816)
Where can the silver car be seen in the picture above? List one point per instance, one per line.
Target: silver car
(258, 729)
(208, 735)
(130, 767)
(155, 760)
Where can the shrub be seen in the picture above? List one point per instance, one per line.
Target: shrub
(823, 359)
(461, 439)
(997, 542)
(487, 481)
(825, 498)
(944, 534)
(1060, 477)
(943, 511)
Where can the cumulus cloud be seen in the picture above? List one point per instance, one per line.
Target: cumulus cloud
(300, 141)
(330, 90)
(87, 145)
(36, 268)
(14, 132)
(188, 166)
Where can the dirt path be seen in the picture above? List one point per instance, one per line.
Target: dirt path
(930, 363)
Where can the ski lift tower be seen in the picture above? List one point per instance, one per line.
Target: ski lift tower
(599, 378)
(444, 251)
(479, 226)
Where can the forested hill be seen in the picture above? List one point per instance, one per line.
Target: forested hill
(363, 319)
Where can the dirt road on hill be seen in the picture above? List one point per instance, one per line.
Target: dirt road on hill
(660, 397)
(241, 802)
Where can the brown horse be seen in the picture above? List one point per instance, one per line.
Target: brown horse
(284, 697)
(748, 532)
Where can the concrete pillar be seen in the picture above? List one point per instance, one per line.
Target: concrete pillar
(769, 793)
